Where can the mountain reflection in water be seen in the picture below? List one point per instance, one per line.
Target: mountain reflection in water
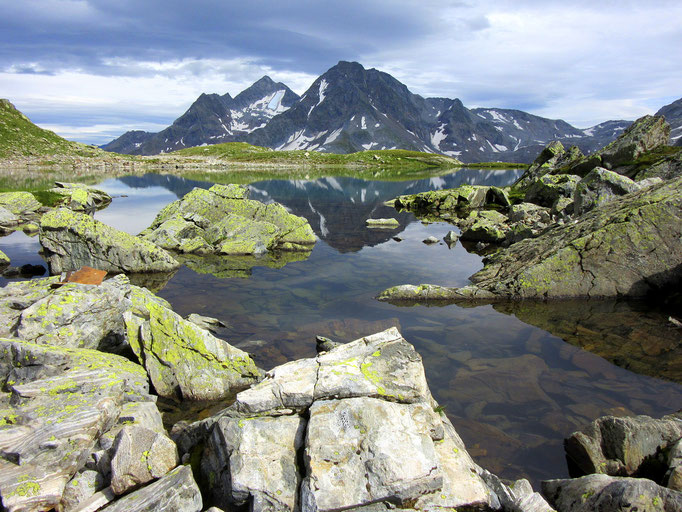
(512, 387)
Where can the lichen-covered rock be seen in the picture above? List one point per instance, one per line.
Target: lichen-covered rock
(645, 134)
(382, 223)
(4, 259)
(487, 226)
(80, 197)
(407, 294)
(62, 400)
(182, 359)
(673, 477)
(460, 198)
(371, 431)
(65, 317)
(138, 456)
(600, 186)
(668, 168)
(71, 240)
(613, 494)
(549, 188)
(222, 220)
(621, 446)
(254, 460)
(8, 220)
(81, 487)
(174, 492)
(20, 203)
(631, 246)
(544, 163)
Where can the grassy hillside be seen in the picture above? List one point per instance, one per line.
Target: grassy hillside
(243, 152)
(20, 137)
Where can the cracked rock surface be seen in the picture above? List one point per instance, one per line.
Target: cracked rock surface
(353, 427)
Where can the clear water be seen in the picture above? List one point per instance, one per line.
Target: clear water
(512, 389)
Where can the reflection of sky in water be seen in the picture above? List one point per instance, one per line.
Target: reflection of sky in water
(513, 391)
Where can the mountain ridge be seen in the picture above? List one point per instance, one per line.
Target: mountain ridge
(349, 108)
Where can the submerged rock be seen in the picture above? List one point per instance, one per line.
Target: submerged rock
(71, 240)
(222, 220)
(182, 359)
(364, 418)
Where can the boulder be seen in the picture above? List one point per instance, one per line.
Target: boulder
(363, 418)
(545, 162)
(673, 477)
(451, 238)
(8, 220)
(20, 203)
(71, 240)
(205, 322)
(80, 488)
(600, 186)
(62, 400)
(644, 135)
(222, 220)
(631, 246)
(382, 223)
(613, 494)
(4, 259)
(487, 226)
(182, 359)
(460, 198)
(138, 456)
(64, 317)
(80, 197)
(622, 446)
(254, 460)
(549, 188)
(175, 491)
(668, 168)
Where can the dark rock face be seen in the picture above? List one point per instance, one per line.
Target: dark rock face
(623, 446)
(673, 114)
(609, 494)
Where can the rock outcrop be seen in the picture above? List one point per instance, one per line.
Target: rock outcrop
(182, 359)
(222, 220)
(615, 494)
(630, 246)
(354, 427)
(80, 197)
(71, 240)
(623, 446)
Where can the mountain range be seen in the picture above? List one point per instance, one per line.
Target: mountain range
(350, 108)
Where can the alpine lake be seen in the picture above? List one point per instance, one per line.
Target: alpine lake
(514, 378)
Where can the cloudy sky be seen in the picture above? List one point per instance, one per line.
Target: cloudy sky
(93, 69)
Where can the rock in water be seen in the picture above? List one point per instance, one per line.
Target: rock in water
(364, 418)
(382, 223)
(222, 220)
(80, 197)
(601, 492)
(20, 203)
(630, 246)
(71, 240)
(622, 446)
(182, 359)
(4, 259)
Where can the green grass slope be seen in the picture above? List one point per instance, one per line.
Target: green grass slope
(243, 152)
(20, 137)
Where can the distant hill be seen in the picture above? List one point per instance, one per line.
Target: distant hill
(20, 137)
(350, 108)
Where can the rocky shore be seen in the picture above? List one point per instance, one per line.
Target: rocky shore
(83, 366)
(577, 227)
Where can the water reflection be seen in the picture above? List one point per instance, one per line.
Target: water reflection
(513, 388)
